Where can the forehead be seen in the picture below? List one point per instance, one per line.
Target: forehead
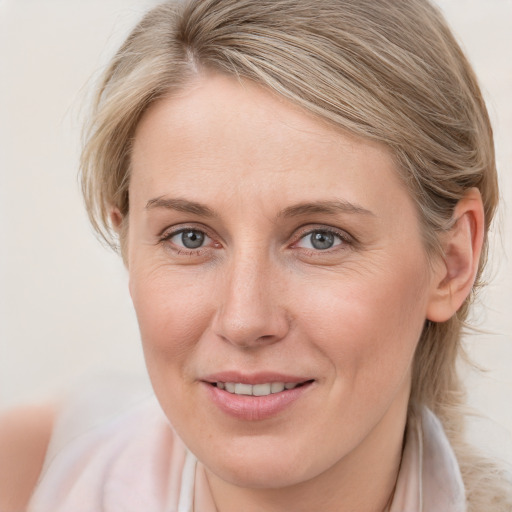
(222, 136)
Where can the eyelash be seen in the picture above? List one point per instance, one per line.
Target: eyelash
(346, 240)
(184, 251)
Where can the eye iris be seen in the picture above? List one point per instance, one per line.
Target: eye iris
(192, 239)
(322, 240)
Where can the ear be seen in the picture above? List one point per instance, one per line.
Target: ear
(120, 225)
(462, 245)
(116, 218)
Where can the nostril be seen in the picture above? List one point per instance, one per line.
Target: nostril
(266, 337)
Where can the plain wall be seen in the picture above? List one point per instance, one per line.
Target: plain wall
(65, 311)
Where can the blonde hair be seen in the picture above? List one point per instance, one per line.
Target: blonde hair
(384, 70)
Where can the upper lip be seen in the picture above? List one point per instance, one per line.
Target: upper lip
(254, 378)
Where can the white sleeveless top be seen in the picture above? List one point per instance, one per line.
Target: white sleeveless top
(135, 462)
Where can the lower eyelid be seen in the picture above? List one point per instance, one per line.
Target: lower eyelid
(343, 239)
(179, 249)
(206, 239)
(167, 236)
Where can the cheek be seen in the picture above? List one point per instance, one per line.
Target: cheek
(368, 324)
(173, 311)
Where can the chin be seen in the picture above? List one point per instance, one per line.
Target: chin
(264, 465)
(260, 477)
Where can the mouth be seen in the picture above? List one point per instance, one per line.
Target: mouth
(256, 397)
(263, 389)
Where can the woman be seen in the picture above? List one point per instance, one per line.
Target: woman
(301, 192)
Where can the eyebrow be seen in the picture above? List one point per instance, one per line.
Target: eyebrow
(317, 207)
(324, 207)
(180, 205)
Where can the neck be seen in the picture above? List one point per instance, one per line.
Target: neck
(364, 480)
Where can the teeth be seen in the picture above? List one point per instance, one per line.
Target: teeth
(261, 389)
(277, 387)
(243, 389)
(268, 388)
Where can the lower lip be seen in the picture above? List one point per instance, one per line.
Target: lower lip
(254, 408)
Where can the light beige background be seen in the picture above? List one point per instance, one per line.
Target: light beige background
(65, 312)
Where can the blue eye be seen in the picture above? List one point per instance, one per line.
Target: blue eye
(190, 238)
(320, 240)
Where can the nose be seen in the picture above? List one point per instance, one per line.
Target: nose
(250, 312)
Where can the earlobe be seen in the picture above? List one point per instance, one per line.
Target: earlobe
(462, 246)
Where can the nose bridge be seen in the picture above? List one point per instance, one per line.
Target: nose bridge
(250, 311)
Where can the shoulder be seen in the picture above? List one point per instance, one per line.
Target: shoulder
(25, 433)
(126, 460)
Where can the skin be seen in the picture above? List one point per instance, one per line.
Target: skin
(24, 436)
(258, 297)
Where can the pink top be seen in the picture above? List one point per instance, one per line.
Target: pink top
(135, 462)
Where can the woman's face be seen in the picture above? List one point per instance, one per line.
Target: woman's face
(267, 251)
